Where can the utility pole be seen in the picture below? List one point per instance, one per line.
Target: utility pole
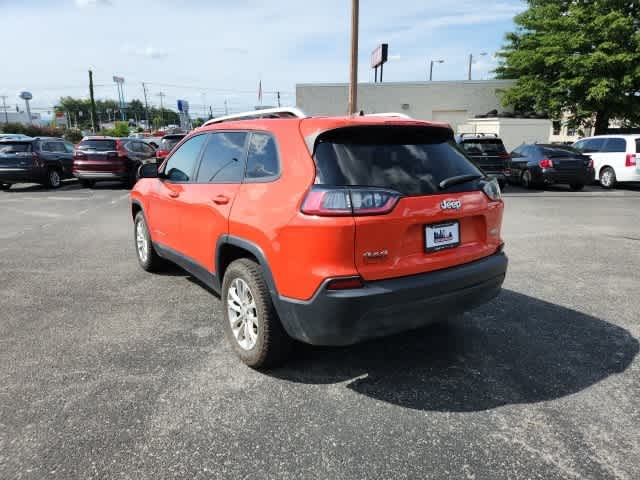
(226, 108)
(161, 95)
(210, 112)
(93, 103)
(4, 107)
(278, 98)
(146, 105)
(482, 54)
(353, 78)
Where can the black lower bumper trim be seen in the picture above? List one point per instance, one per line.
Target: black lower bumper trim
(389, 306)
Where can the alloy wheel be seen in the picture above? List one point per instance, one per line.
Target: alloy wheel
(243, 314)
(142, 243)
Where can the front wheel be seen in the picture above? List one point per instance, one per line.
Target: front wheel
(607, 177)
(251, 323)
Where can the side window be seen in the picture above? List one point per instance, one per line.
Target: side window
(68, 147)
(46, 147)
(615, 145)
(180, 166)
(579, 145)
(58, 147)
(593, 145)
(223, 158)
(148, 149)
(262, 160)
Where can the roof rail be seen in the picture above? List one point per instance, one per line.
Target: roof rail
(279, 112)
(388, 114)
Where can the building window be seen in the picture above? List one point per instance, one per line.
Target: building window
(557, 125)
(571, 131)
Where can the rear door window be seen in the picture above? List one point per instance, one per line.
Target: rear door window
(181, 165)
(409, 160)
(223, 158)
(98, 145)
(615, 145)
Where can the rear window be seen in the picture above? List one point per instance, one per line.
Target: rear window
(169, 143)
(479, 146)
(98, 145)
(412, 161)
(560, 151)
(15, 147)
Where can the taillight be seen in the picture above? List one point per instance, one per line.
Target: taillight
(336, 202)
(630, 160)
(345, 283)
(120, 149)
(545, 163)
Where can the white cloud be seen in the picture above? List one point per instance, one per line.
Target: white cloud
(91, 3)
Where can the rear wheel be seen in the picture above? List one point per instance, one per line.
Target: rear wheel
(607, 177)
(147, 256)
(527, 179)
(251, 323)
(576, 186)
(54, 180)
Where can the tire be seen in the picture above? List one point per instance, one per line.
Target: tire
(147, 256)
(244, 288)
(527, 180)
(607, 178)
(87, 183)
(54, 179)
(576, 186)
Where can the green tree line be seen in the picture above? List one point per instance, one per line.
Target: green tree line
(78, 111)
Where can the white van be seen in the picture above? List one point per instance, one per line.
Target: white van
(616, 158)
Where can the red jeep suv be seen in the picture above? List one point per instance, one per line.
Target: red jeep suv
(325, 230)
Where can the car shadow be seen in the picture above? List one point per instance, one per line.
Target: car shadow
(514, 350)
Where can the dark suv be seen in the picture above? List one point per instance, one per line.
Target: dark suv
(488, 153)
(44, 160)
(109, 158)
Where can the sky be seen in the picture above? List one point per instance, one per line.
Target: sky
(214, 51)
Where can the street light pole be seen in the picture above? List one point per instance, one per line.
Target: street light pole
(482, 54)
(431, 68)
(353, 79)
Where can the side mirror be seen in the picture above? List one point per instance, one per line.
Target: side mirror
(148, 170)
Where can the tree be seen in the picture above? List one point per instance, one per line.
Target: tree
(136, 109)
(580, 57)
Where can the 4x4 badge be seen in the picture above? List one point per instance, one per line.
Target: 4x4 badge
(450, 204)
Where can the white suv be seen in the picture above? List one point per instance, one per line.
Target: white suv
(616, 158)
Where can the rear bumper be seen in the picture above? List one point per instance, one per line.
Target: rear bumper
(551, 175)
(87, 175)
(385, 307)
(22, 175)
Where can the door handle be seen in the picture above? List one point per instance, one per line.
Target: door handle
(221, 200)
(173, 194)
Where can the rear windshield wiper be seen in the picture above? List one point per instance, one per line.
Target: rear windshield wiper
(458, 179)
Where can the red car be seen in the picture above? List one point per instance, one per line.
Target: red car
(99, 158)
(325, 230)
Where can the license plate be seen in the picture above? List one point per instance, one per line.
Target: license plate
(441, 236)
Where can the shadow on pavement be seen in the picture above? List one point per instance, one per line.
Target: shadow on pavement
(517, 349)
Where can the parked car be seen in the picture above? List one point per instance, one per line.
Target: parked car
(14, 136)
(616, 158)
(166, 145)
(488, 153)
(325, 230)
(44, 160)
(535, 165)
(109, 158)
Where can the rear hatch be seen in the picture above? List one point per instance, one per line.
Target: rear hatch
(389, 178)
(16, 155)
(566, 159)
(98, 155)
(488, 154)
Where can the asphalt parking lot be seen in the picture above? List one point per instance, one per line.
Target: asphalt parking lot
(110, 372)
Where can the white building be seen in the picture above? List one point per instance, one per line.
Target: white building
(453, 102)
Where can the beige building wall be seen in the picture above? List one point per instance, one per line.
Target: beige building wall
(451, 101)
